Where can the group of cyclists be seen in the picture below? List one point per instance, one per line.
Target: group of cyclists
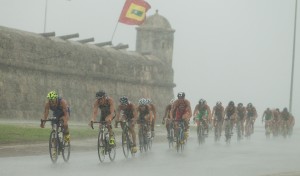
(226, 118)
(105, 105)
(220, 118)
(278, 122)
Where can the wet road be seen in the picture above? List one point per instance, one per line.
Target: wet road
(256, 156)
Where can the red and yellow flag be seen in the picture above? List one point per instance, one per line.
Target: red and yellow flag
(134, 12)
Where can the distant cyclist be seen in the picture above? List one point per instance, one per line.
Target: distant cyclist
(107, 110)
(218, 113)
(241, 116)
(251, 116)
(287, 118)
(202, 114)
(153, 114)
(181, 110)
(144, 114)
(60, 109)
(268, 117)
(230, 115)
(167, 116)
(127, 112)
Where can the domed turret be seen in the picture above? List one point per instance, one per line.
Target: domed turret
(156, 36)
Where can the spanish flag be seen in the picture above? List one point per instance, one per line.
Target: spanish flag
(134, 12)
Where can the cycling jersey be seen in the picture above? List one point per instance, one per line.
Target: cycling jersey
(105, 109)
(58, 109)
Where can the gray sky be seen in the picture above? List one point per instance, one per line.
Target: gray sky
(238, 50)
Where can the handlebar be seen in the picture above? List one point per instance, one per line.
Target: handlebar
(102, 122)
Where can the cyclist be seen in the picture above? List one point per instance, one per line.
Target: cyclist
(286, 118)
(144, 114)
(202, 114)
(241, 114)
(107, 109)
(251, 116)
(181, 110)
(268, 118)
(168, 116)
(218, 115)
(60, 109)
(153, 114)
(127, 112)
(276, 121)
(230, 115)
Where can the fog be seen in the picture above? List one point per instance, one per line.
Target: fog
(238, 50)
(256, 156)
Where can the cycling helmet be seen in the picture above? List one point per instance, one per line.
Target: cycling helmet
(124, 100)
(240, 105)
(52, 95)
(202, 101)
(249, 105)
(143, 101)
(148, 100)
(181, 95)
(285, 109)
(100, 94)
(219, 103)
(231, 103)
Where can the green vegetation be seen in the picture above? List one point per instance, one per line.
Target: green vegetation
(32, 133)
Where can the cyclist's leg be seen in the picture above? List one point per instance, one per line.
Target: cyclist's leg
(132, 131)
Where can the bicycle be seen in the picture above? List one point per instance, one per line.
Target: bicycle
(200, 133)
(171, 133)
(218, 130)
(249, 128)
(180, 136)
(144, 136)
(57, 144)
(227, 124)
(127, 143)
(239, 128)
(103, 145)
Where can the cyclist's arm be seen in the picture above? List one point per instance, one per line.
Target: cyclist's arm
(46, 110)
(65, 108)
(189, 109)
(111, 109)
(95, 111)
(196, 110)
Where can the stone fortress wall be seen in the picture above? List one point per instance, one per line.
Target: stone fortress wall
(32, 65)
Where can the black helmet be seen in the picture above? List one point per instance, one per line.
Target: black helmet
(202, 101)
(219, 103)
(124, 100)
(100, 94)
(285, 109)
(240, 105)
(249, 105)
(231, 103)
(181, 95)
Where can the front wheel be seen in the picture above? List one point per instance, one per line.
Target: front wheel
(53, 146)
(112, 151)
(125, 144)
(66, 150)
(101, 146)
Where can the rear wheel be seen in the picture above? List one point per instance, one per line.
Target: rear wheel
(125, 144)
(101, 146)
(141, 140)
(53, 146)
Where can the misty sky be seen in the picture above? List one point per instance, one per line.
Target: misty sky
(238, 50)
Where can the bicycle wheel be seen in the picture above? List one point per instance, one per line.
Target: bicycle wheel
(171, 138)
(53, 146)
(101, 146)
(125, 144)
(112, 151)
(66, 150)
(141, 140)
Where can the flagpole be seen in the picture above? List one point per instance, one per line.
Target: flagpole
(114, 31)
(45, 18)
(293, 60)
